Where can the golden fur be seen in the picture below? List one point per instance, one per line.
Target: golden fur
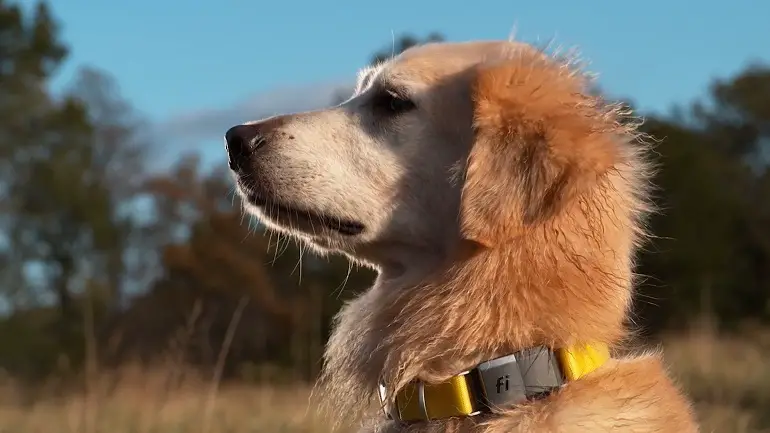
(553, 197)
(552, 208)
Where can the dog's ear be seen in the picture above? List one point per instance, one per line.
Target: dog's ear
(540, 141)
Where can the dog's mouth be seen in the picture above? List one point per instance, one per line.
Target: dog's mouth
(297, 216)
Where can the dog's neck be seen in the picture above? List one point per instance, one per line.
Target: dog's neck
(490, 304)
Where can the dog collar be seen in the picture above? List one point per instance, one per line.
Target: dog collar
(502, 382)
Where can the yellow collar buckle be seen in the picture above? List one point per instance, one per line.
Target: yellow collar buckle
(502, 382)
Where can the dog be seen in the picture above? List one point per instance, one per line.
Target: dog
(501, 203)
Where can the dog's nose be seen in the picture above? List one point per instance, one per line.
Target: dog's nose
(241, 141)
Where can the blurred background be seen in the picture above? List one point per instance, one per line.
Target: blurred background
(135, 296)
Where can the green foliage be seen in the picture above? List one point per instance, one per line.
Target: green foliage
(62, 212)
(711, 255)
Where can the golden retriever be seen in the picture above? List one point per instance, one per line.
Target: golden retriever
(501, 203)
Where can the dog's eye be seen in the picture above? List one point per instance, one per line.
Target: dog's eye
(393, 103)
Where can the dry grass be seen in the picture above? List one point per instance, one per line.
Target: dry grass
(151, 403)
(728, 377)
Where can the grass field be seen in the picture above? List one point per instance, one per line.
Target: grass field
(729, 379)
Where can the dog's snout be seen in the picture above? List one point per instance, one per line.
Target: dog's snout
(241, 141)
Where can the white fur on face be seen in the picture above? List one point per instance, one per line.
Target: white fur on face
(328, 164)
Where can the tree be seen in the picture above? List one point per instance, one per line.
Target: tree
(69, 165)
(29, 54)
(712, 244)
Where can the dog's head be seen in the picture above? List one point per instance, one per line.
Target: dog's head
(446, 143)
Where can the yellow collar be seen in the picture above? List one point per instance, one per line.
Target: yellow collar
(505, 381)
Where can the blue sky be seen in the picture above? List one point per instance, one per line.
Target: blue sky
(194, 67)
